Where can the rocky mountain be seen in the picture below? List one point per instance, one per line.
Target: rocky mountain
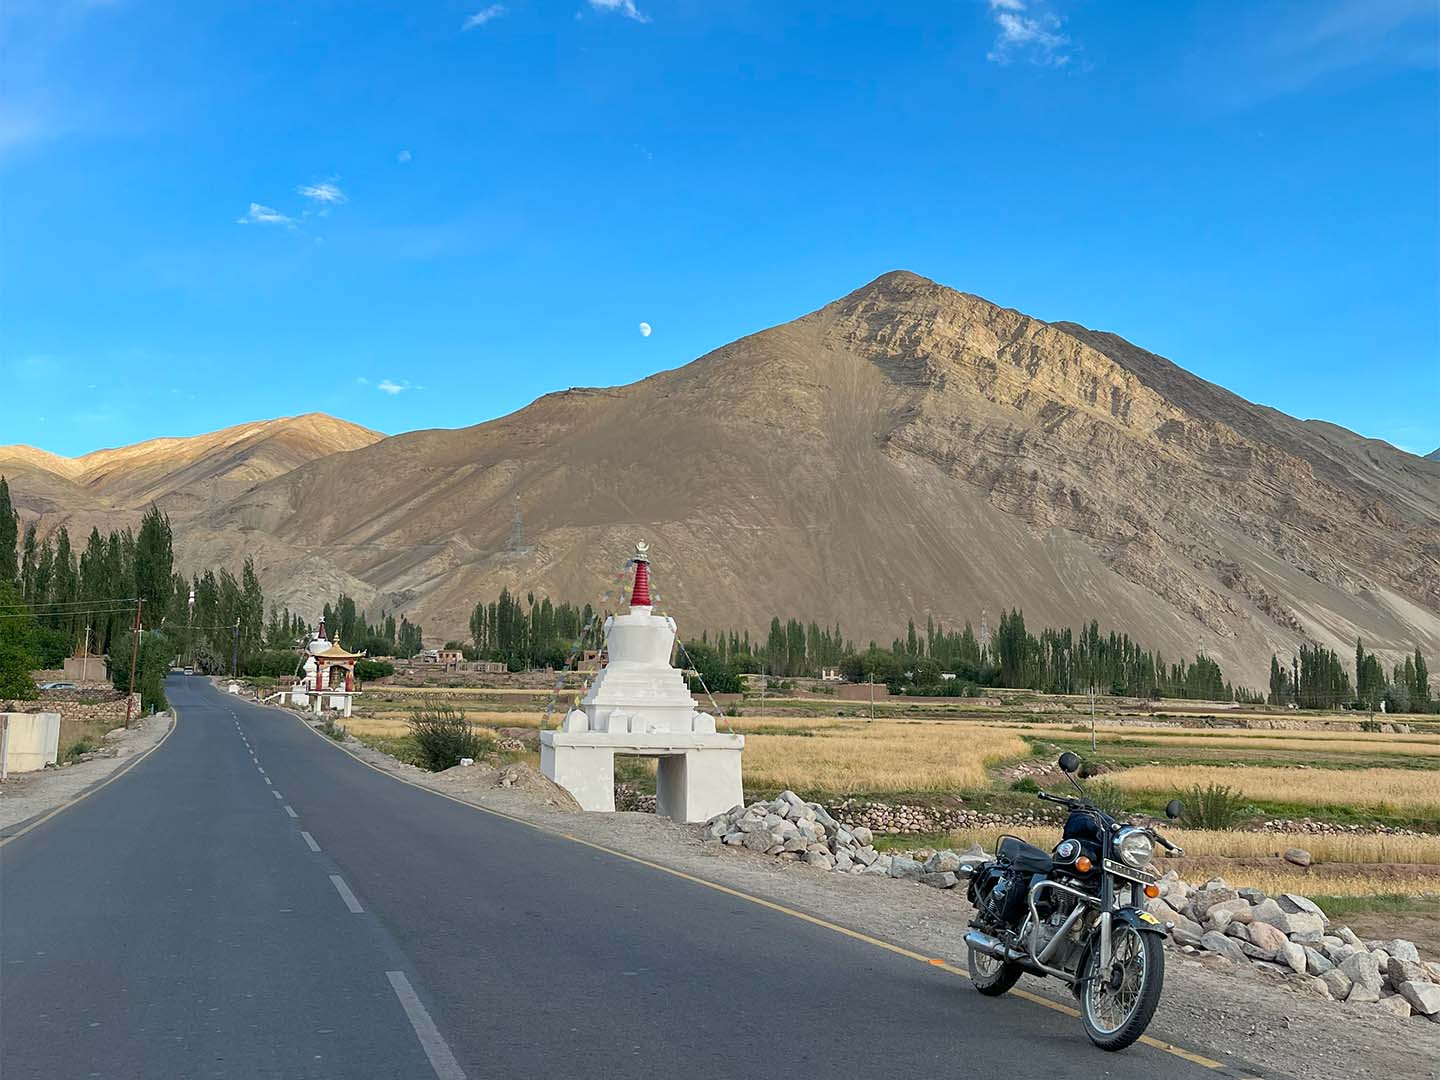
(1434, 455)
(905, 450)
(184, 476)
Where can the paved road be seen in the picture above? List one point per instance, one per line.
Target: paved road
(202, 918)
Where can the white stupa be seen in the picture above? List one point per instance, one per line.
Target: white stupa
(640, 705)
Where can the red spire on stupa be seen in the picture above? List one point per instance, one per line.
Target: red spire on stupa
(640, 594)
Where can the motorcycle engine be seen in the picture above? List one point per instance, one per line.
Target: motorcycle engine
(998, 896)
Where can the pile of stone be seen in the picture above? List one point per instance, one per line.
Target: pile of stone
(1290, 937)
(1332, 828)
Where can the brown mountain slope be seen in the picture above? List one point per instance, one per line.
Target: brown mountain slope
(184, 476)
(904, 450)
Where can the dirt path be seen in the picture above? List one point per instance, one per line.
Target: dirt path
(1237, 1017)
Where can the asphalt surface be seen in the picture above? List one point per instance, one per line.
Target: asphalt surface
(181, 923)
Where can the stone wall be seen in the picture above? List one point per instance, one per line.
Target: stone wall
(84, 706)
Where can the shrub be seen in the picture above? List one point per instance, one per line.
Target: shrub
(1215, 806)
(443, 736)
(365, 670)
(80, 746)
(1110, 799)
(1025, 783)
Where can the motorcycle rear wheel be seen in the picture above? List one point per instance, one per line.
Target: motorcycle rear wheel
(991, 976)
(1116, 1004)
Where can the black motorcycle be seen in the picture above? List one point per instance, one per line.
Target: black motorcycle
(1076, 913)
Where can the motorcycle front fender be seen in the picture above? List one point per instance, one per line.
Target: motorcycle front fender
(1140, 920)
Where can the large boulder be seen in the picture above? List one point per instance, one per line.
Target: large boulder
(1400, 949)
(1338, 982)
(1267, 936)
(1293, 956)
(1363, 970)
(1424, 997)
(1395, 1005)
(1299, 856)
(942, 862)
(1221, 945)
(902, 866)
(1399, 971)
(938, 880)
(1187, 932)
(1207, 898)
(1315, 962)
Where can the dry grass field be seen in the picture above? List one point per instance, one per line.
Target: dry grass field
(1378, 790)
(880, 758)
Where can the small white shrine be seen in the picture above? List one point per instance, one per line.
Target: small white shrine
(328, 678)
(640, 705)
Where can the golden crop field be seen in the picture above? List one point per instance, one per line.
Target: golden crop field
(1380, 790)
(878, 758)
(1224, 738)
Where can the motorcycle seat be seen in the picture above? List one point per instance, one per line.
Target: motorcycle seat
(1024, 857)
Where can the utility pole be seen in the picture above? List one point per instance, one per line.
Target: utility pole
(872, 695)
(1092, 717)
(85, 659)
(134, 657)
(235, 651)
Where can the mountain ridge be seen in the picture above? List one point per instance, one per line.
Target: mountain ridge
(904, 450)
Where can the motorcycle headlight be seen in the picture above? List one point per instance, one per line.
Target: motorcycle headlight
(1134, 847)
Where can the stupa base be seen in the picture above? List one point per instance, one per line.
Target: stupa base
(697, 775)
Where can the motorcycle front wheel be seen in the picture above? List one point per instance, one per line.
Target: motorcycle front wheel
(991, 976)
(1118, 1001)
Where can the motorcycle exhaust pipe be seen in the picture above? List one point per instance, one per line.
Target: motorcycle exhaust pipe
(992, 947)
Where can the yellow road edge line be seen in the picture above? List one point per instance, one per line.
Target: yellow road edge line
(899, 950)
(116, 775)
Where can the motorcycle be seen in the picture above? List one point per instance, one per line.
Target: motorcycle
(1076, 914)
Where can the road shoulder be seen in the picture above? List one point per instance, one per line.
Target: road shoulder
(27, 798)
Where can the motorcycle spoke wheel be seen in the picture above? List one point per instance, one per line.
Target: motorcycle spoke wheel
(1120, 999)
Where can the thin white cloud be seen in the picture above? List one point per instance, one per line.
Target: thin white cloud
(644, 329)
(1035, 35)
(362, 380)
(389, 386)
(264, 215)
(483, 16)
(404, 156)
(621, 7)
(327, 193)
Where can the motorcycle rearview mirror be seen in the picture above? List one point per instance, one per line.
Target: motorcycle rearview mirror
(1070, 765)
(1174, 808)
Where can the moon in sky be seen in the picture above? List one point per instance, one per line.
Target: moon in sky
(644, 329)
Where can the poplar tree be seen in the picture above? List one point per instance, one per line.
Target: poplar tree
(9, 537)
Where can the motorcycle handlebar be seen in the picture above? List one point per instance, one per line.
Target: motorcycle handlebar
(1061, 799)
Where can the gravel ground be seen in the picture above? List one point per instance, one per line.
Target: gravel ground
(24, 795)
(1239, 1017)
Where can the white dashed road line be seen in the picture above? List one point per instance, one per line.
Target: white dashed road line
(345, 894)
(310, 840)
(431, 1041)
(277, 794)
(291, 811)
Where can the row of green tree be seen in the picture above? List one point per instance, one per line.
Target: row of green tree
(942, 661)
(529, 634)
(1316, 678)
(56, 602)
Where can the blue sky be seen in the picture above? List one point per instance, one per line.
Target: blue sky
(421, 214)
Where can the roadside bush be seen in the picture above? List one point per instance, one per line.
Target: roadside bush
(443, 736)
(1026, 784)
(75, 749)
(1215, 806)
